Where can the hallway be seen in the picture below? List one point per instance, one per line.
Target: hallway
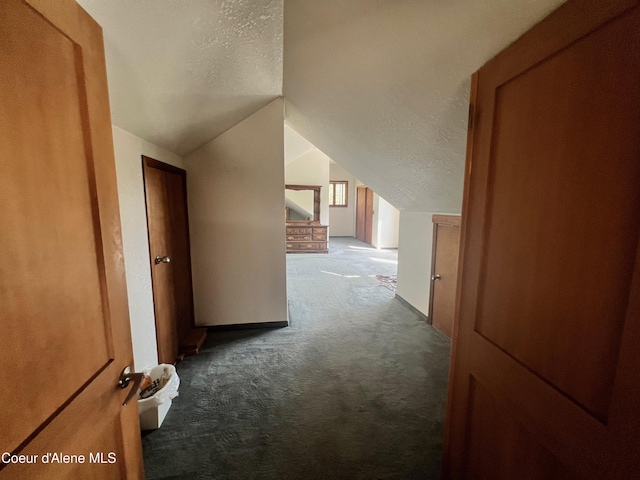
(354, 388)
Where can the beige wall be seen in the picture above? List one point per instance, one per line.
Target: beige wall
(235, 189)
(128, 151)
(342, 220)
(414, 258)
(312, 168)
(386, 223)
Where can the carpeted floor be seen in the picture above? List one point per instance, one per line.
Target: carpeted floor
(354, 388)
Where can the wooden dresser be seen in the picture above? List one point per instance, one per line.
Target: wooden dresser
(307, 239)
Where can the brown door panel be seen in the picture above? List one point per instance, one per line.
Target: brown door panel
(66, 335)
(444, 272)
(543, 378)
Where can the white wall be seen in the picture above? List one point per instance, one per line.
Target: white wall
(128, 151)
(386, 223)
(312, 168)
(235, 189)
(342, 220)
(414, 258)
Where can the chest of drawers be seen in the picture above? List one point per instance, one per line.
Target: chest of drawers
(307, 239)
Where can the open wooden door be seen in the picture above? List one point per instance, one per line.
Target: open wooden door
(546, 356)
(65, 327)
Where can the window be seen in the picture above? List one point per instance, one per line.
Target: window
(338, 194)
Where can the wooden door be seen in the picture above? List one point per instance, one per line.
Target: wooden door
(63, 307)
(364, 215)
(361, 202)
(444, 272)
(546, 355)
(166, 197)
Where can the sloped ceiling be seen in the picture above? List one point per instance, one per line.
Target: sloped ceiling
(382, 86)
(182, 72)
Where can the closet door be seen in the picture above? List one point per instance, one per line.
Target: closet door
(444, 272)
(169, 256)
(364, 215)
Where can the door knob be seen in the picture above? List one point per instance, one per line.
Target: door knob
(125, 378)
(435, 277)
(164, 259)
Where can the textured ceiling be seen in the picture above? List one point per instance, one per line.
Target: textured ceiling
(181, 72)
(382, 86)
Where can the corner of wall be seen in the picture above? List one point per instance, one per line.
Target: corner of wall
(235, 188)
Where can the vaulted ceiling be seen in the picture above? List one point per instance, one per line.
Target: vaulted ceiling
(381, 86)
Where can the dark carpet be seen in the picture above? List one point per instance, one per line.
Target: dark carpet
(354, 388)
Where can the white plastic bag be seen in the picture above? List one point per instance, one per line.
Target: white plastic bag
(168, 392)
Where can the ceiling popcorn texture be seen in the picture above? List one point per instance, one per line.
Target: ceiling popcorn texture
(181, 72)
(382, 87)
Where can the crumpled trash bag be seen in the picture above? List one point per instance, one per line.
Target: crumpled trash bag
(164, 386)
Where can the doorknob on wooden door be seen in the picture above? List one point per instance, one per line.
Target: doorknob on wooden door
(164, 259)
(435, 277)
(125, 378)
